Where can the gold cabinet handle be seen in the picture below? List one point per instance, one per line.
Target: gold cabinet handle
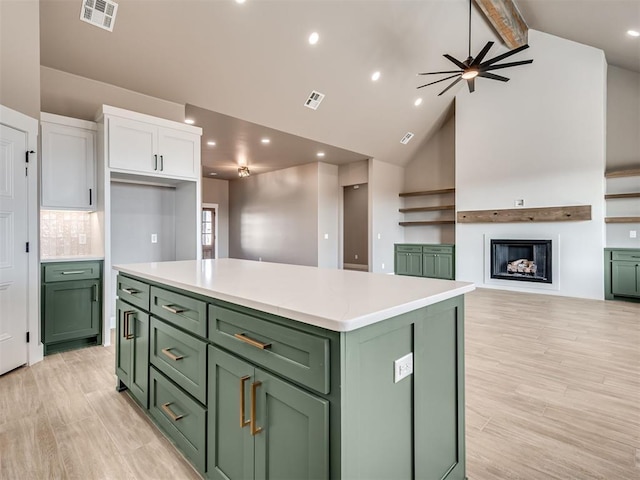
(130, 291)
(172, 309)
(251, 341)
(254, 430)
(243, 422)
(175, 358)
(168, 411)
(125, 334)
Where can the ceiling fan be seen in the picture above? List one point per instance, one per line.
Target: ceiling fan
(475, 67)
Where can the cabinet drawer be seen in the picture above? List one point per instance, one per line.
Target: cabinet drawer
(180, 356)
(133, 292)
(184, 312)
(182, 418)
(437, 249)
(64, 272)
(409, 248)
(623, 255)
(297, 355)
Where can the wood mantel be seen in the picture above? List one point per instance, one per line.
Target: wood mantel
(542, 214)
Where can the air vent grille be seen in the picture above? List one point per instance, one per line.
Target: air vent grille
(408, 136)
(314, 100)
(101, 13)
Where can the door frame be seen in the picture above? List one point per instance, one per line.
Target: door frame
(29, 125)
(215, 207)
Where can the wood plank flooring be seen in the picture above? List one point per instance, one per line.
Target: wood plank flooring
(553, 392)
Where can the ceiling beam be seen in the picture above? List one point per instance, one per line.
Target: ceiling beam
(507, 21)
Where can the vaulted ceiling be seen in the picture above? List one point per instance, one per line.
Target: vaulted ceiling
(253, 62)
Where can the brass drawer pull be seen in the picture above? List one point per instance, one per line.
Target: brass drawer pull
(167, 410)
(73, 272)
(251, 341)
(130, 291)
(254, 430)
(125, 334)
(243, 422)
(173, 309)
(175, 358)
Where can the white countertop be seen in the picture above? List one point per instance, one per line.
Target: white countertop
(339, 300)
(71, 258)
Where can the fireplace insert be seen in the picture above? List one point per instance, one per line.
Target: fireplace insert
(521, 260)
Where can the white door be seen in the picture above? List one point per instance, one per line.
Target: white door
(13, 256)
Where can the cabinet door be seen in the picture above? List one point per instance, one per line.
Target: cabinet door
(230, 444)
(625, 279)
(444, 267)
(294, 440)
(124, 347)
(68, 167)
(132, 350)
(71, 310)
(429, 267)
(402, 263)
(179, 153)
(132, 145)
(415, 264)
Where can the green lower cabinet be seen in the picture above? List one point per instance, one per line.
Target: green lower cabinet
(433, 261)
(132, 351)
(625, 279)
(261, 426)
(437, 266)
(408, 264)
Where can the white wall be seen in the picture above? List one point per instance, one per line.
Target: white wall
(328, 215)
(385, 183)
(541, 138)
(217, 191)
(623, 119)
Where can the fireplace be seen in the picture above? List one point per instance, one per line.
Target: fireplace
(521, 260)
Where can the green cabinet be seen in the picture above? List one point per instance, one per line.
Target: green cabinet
(622, 273)
(261, 426)
(132, 351)
(433, 261)
(408, 260)
(71, 305)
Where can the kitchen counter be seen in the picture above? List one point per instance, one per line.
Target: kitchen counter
(338, 300)
(71, 258)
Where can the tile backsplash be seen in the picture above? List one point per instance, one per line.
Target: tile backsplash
(61, 233)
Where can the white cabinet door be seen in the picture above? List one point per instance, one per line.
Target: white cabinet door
(133, 146)
(179, 153)
(68, 167)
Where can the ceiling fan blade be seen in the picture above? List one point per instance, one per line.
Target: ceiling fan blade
(503, 56)
(493, 77)
(471, 83)
(457, 62)
(437, 73)
(438, 81)
(506, 65)
(452, 84)
(482, 54)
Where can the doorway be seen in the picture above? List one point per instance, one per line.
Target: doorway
(209, 229)
(355, 227)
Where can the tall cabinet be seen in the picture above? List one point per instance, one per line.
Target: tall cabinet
(153, 165)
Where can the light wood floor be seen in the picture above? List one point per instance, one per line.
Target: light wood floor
(553, 392)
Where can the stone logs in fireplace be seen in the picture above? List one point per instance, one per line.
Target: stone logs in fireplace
(522, 260)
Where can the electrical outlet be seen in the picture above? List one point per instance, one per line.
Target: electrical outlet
(633, 233)
(259, 259)
(383, 266)
(519, 203)
(82, 238)
(403, 367)
(154, 238)
(356, 256)
(379, 236)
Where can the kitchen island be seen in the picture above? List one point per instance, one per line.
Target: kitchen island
(257, 370)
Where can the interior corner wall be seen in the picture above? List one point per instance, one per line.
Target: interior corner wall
(20, 56)
(217, 191)
(541, 138)
(432, 168)
(273, 216)
(73, 96)
(328, 214)
(385, 183)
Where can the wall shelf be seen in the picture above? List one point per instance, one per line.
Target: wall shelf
(428, 192)
(610, 196)
(427, 209)
(542, 214)
(432, 222)
(635, 172)
(622, 220)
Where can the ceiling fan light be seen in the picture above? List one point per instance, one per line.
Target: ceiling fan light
(243, 171)
(469, 74)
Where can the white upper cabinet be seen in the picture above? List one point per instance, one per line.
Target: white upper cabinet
(150, 146)
(68, 163)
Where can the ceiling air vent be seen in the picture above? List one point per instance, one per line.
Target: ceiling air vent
(101, 13)
(313, 102)
(406, 138)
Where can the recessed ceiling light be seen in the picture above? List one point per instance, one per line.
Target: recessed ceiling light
(313, 38)
(211, 143)
(376, 76)
(190, 121)
(213, 173)
(320, 154)
(633, 33)
(240, 1)
(418, 102)
(265, 140)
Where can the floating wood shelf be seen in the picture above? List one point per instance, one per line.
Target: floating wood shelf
(432, 222)
(623, 173)
(609, 196)
(622, 219)
(428, 192)
(427, 209)
(511, 215)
